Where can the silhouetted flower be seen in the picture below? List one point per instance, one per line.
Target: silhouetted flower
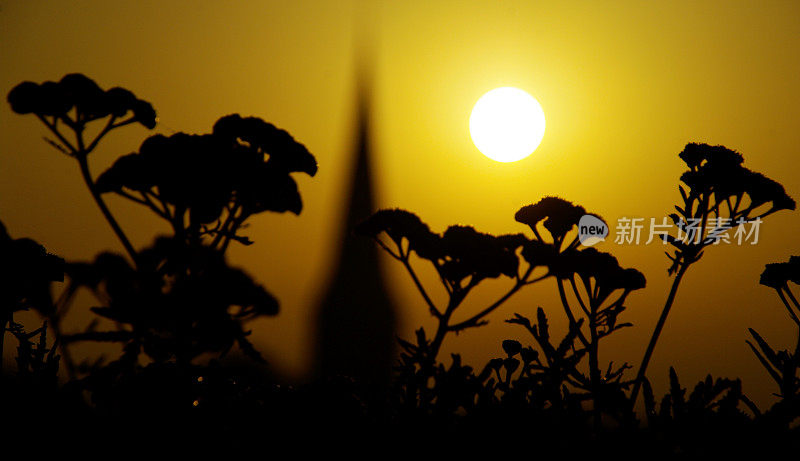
(719, 187)
(466, 252)
(82, 93)
(44, 99)
(776, 275)
(718, 170)
(540, 253)
(697, 154)
(601, 275)
(461, 256)
(559, 216)
(528, 354)
(262, 138)
(605, 268)
(71, 105)
(243, 168)
(782, 365)
(606, 271)
(132, 171)
(399, 225)
(512, 347)
(762, 190)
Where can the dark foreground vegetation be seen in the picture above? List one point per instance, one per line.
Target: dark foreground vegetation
(188, 376)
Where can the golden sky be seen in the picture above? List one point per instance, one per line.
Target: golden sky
(624, 86)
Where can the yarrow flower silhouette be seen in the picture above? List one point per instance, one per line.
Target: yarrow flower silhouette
(557, 215)
(176, 307)
(72, 104)
(461, 256)
(77, 100)
(782, 366)
(721, 190)
(179, 299)
(242, 168)
(599, 274)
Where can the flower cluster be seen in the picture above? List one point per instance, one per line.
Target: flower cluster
(78, 92)
(461, 255)
(720, 190)
(242, 168)
(776, 275)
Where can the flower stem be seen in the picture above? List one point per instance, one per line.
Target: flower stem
(87, 177)
(657, 332)
(473, 321)
(567, 310)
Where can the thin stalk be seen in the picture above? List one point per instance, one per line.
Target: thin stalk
(224, 228)
(786, 303)
(456, 298)
(578, 296)
(87, 177)
(594, 363)
(657, 332)
(436, 343)
(235, 225)
(420, 288)
(81, 152)
(472, 321)
(443, 328)
(572, 322)
(791, 296)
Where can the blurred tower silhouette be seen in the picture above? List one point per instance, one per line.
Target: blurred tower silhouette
(356, 320)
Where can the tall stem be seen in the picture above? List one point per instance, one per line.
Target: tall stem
(594, 364)
(420, 288)
(472, 321)
(87, 177)
(657, 332)
(438, 338)
(444, 320)
(572, 322)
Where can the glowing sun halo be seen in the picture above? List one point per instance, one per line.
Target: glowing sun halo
(507, 124)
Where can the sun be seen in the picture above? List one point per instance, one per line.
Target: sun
(507, 124)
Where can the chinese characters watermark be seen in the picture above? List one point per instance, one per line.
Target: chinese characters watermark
(693, 231)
